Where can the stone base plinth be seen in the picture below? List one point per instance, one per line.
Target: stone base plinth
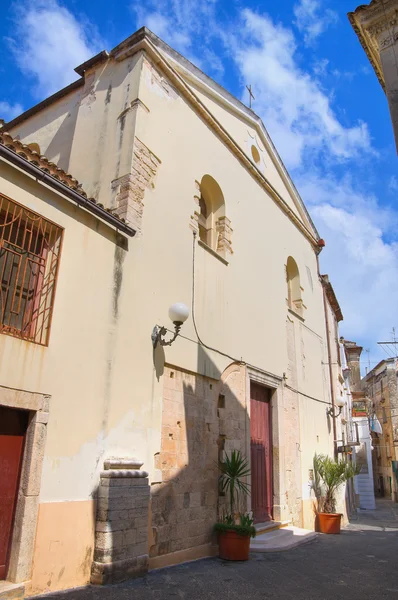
(121, 530)
(118, 571)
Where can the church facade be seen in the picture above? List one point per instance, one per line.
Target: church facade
(182, 197)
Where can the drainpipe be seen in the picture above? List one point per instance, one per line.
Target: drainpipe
(330, 370)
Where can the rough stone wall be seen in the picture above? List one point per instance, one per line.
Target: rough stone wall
(129, 190)
(224, 230)
(201, 419)
(382, 389)
(121, 532)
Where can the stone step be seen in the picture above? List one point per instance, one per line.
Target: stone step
(11, 591)
(270, 526)
(285, 538)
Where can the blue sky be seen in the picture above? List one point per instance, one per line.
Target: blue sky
(315, 91)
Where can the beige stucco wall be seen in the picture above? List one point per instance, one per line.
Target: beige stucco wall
(64, 545)
(246, 135)
(56, 138)
(99, 366)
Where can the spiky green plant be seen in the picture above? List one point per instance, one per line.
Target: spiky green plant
(316, 484)
(329, 475)
(234, 471)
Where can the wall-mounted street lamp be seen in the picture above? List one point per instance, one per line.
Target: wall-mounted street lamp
(178, 313)
(331, 412)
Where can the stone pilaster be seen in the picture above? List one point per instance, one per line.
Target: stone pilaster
(224, 230)
(388, 44)
(121, 532)
(376, 25)
(194, 221)
(129, 190)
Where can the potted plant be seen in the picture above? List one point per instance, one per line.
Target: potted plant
(235, 528)
(329, 475)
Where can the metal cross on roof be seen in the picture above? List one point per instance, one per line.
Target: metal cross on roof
(251, 95)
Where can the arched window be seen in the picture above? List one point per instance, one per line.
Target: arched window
(294, 299)
(214, 227)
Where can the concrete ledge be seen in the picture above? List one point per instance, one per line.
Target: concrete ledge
(270, 526)
(11, 591)
(282, 539)
(175, 558)
(119, 571)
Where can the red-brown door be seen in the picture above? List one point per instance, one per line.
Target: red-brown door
(13, 425)
(261, 453)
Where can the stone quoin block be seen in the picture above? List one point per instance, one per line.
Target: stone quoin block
(121, 532)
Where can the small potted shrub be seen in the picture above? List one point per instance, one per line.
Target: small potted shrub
(235, 528)
(329, 475)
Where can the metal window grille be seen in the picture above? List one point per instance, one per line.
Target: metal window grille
(30, 246)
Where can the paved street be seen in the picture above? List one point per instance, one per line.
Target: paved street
(359, 564)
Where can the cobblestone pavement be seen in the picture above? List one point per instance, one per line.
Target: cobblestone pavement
(359, 564)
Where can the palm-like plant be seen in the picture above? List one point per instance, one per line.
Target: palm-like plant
(234, 470)
(329, 475)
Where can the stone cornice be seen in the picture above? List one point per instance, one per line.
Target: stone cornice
(141, 42)
(368, 22)
(369, 47)
(331, 296)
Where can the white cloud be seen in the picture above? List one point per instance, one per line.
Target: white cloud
(393, 184)
(9, 111)
(312, 19)
(186, 25)
(364, 271)
(361, 254)
(320, 66)
(49, 42)
(294, 107)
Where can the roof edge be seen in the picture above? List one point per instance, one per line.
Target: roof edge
(38, 107)
(332, 298)
(353, 17)
(256, 122)
(91, 62)
(44, 171)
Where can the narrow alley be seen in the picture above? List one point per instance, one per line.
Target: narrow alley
(359, 564)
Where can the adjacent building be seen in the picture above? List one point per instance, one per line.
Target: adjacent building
(177, 194)
(376, 25)
(380, 386)
(359, 434)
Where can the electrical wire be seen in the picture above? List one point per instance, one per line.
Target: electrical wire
(240, 361)
(193, 309)
(306, 395)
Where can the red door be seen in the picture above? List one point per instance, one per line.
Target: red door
(261, 453)
(13, 425)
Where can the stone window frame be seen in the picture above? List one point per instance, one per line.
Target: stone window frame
(274, 384)
(295, 290)
(27, 507)
(212, 228)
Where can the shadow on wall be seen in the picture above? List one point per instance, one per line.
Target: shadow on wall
(203, 416)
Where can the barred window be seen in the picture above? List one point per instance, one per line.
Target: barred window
(29, 254)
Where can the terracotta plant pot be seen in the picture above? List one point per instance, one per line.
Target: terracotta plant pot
(233, 546)
(329, 522)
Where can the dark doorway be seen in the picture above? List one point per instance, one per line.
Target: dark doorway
(13, 424)
(261, 453)
(381, 486)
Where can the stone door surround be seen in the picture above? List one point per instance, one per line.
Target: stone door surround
(25, 522)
